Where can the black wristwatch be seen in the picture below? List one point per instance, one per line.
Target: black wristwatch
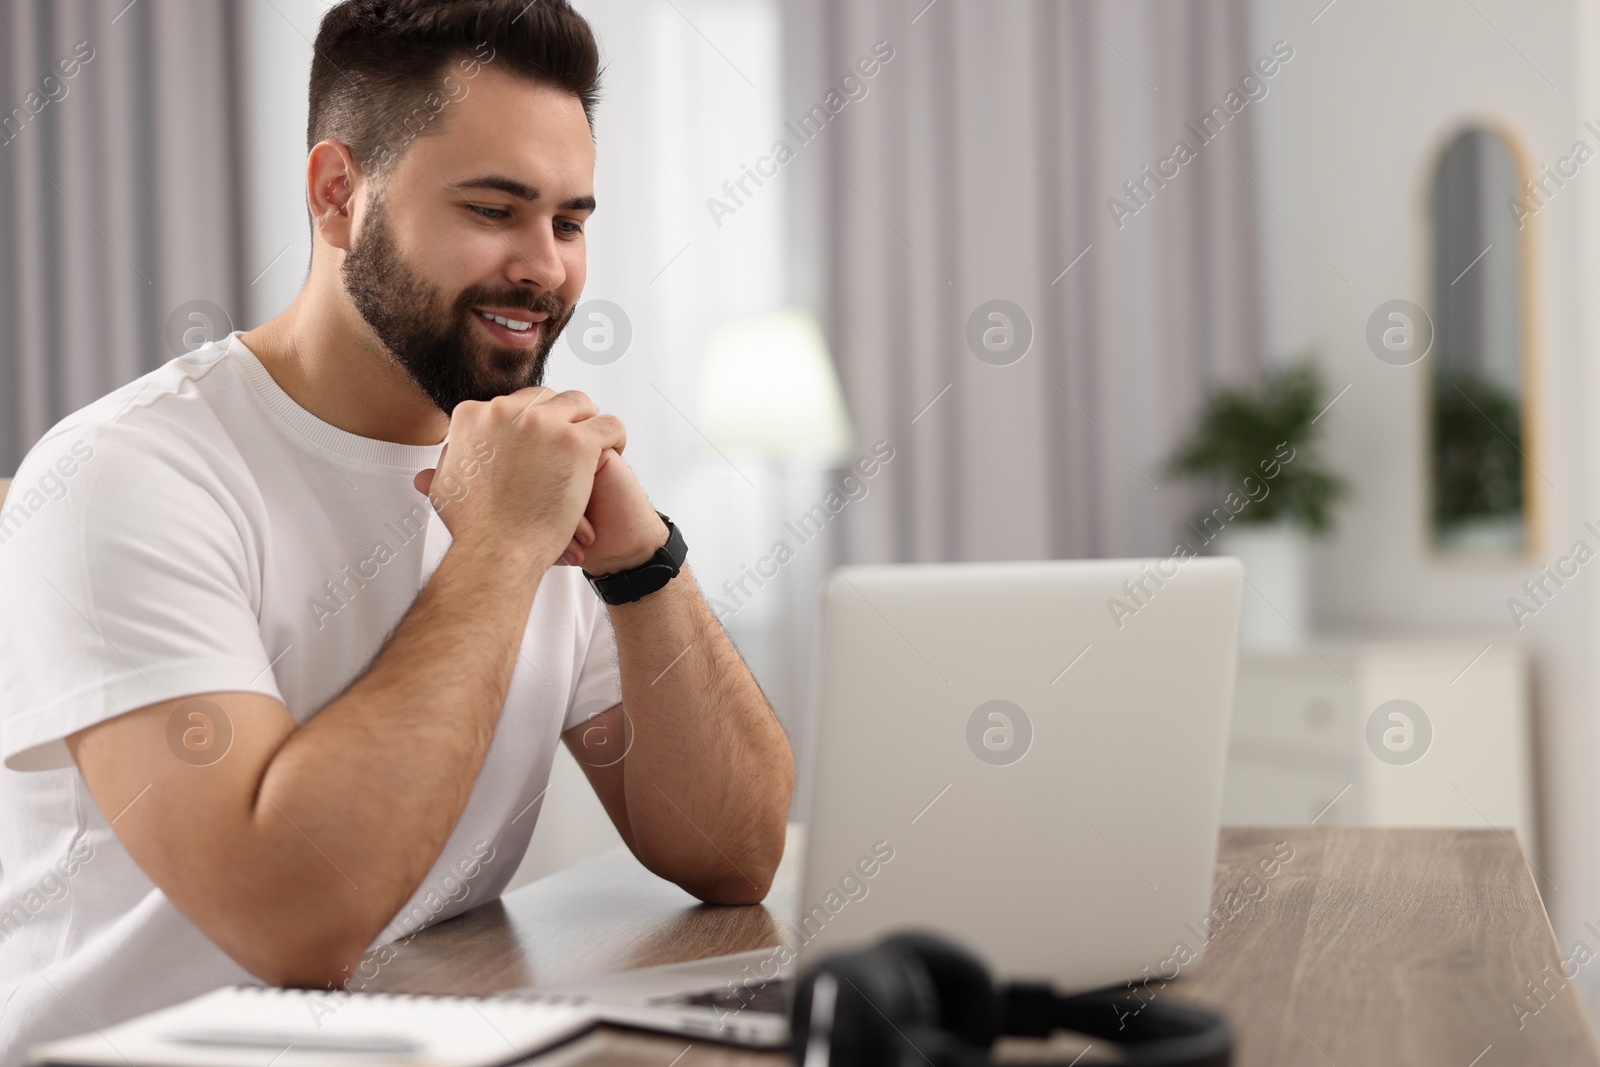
(624, 587)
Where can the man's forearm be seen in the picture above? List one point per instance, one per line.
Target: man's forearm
(380, 776)
(709, 773)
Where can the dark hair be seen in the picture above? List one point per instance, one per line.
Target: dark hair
(384, 70)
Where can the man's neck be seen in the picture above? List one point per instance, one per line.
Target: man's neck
(336, 370)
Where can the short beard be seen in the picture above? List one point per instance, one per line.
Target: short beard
(433, 339)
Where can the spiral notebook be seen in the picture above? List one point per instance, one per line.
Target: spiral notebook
(258, 1026)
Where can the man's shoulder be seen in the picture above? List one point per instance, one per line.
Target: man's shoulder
(169, 405)
(158, 436)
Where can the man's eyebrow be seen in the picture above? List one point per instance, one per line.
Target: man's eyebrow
(522, 191)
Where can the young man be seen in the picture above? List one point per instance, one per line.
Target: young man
(264, 707)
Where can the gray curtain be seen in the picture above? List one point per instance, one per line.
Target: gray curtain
(122, 224)
(979, 165)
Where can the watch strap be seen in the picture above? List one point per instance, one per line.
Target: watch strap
(624, 587)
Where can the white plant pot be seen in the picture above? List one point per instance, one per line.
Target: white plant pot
(1276, 614)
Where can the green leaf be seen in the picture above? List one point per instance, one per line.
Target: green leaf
(1241, 439)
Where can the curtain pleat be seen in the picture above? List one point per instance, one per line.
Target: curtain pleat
(121, 197)
(979, 166)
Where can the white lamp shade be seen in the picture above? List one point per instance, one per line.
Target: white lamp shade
(769, 385)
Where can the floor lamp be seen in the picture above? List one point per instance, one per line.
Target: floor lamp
(769, 388)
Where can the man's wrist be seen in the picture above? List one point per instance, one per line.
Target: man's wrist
(638, 559)
(508, 554)
(511, 560)
(626, 585)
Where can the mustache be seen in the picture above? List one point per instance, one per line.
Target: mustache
(545, 301)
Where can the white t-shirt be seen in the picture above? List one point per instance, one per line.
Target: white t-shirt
(198, 531)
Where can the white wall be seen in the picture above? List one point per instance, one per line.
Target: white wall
(1346, 146)
(278, 42)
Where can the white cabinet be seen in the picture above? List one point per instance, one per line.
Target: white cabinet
(1383, 733)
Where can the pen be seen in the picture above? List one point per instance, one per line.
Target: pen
(292, 1039)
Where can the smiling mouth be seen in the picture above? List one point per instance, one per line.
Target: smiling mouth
(514, 325)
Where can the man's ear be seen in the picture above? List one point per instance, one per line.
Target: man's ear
(331, 179)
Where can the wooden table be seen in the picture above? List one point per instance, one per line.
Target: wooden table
(1368, 946)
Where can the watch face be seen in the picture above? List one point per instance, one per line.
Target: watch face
(676, 550)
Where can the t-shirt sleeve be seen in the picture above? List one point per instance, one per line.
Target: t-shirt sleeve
(599, 679)
(127, 578)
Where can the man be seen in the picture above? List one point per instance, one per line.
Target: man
(265, 709)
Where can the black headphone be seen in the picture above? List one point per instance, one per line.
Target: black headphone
(915, 998)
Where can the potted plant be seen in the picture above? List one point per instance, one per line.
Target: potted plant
(1254, 454)
(1477, 463)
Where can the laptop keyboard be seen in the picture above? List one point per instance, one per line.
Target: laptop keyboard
(769, 996)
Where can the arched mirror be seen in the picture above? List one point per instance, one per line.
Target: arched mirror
(1479, 462)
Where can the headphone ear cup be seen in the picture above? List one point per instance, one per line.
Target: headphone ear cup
(969, 1004)
(859, 1005)
(925, 1045)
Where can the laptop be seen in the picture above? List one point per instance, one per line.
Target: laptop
(1024, 756)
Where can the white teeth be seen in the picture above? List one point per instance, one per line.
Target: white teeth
(510, 324)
